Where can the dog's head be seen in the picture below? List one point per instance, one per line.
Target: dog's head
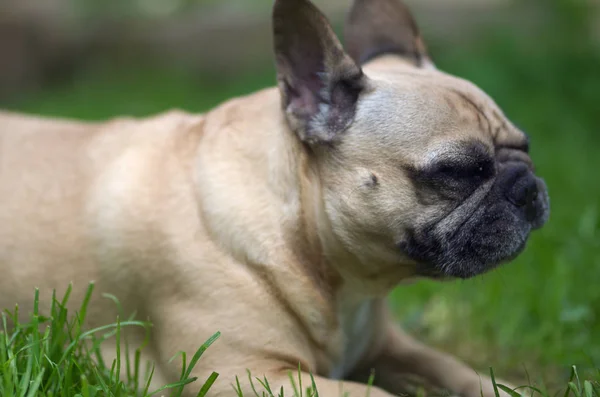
(416, 166)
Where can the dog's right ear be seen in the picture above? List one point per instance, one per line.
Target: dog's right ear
(319, 82)
(380, 27)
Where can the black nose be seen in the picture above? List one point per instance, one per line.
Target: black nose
(522, 190)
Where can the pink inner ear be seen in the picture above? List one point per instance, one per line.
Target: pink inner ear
(304, 102)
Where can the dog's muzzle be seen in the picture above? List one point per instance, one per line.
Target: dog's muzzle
(486, 233)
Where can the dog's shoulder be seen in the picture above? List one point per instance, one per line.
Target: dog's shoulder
(256, 107)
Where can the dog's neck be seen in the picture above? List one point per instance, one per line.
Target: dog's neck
(294, 230)
(336, 266)
(312, 224)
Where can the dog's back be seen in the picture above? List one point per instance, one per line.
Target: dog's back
(61, 184)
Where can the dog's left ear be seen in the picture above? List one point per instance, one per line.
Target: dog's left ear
(380, 27)
(319, 82)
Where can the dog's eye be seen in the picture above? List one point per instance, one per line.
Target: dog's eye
(460, 171)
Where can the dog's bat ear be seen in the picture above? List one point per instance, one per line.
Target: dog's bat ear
(380, 27)
(319, 83)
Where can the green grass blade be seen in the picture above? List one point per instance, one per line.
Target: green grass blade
(96, 330)
(574, 389)
(300, 378)
(252, 383)
(293, 382)
(197, 357)
(26, 376)
(148, 381)
(370, 382)
(34, 387)
(136, 369)
(183, 362)
(84, 305)
(237, 387)
(208, 384)
(509, 391)
(495, 385)
(85, 386)
(579, 385)
(102, 383)
(180, 383)
(314, 385)
(118, 360)
(35, 349)
(265, 384)
(200, 352)
(67, 295)
(588, 390)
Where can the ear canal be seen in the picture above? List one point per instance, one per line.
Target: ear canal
(383, 27)
(319, 83)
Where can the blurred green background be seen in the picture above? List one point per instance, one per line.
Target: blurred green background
(539, 59)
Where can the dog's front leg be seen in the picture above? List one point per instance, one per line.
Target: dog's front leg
(243, 346)
(400, 356)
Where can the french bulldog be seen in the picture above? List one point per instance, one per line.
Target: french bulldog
(283, 218)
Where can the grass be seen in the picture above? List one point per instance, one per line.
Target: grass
(535, 318)
(55, 356)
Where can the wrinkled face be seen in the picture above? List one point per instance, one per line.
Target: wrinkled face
(418, 169)
(432, 171)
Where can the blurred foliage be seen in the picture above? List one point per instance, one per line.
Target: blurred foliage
(97, 8)
(150, 8)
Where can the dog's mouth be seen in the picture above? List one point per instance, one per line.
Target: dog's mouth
(477, 248)
(486, 235)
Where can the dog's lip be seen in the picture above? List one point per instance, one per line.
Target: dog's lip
(544, 199)
(487, 265)
(433, 267)
(433, 273)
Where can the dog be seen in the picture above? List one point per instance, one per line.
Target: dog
(283, 218)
